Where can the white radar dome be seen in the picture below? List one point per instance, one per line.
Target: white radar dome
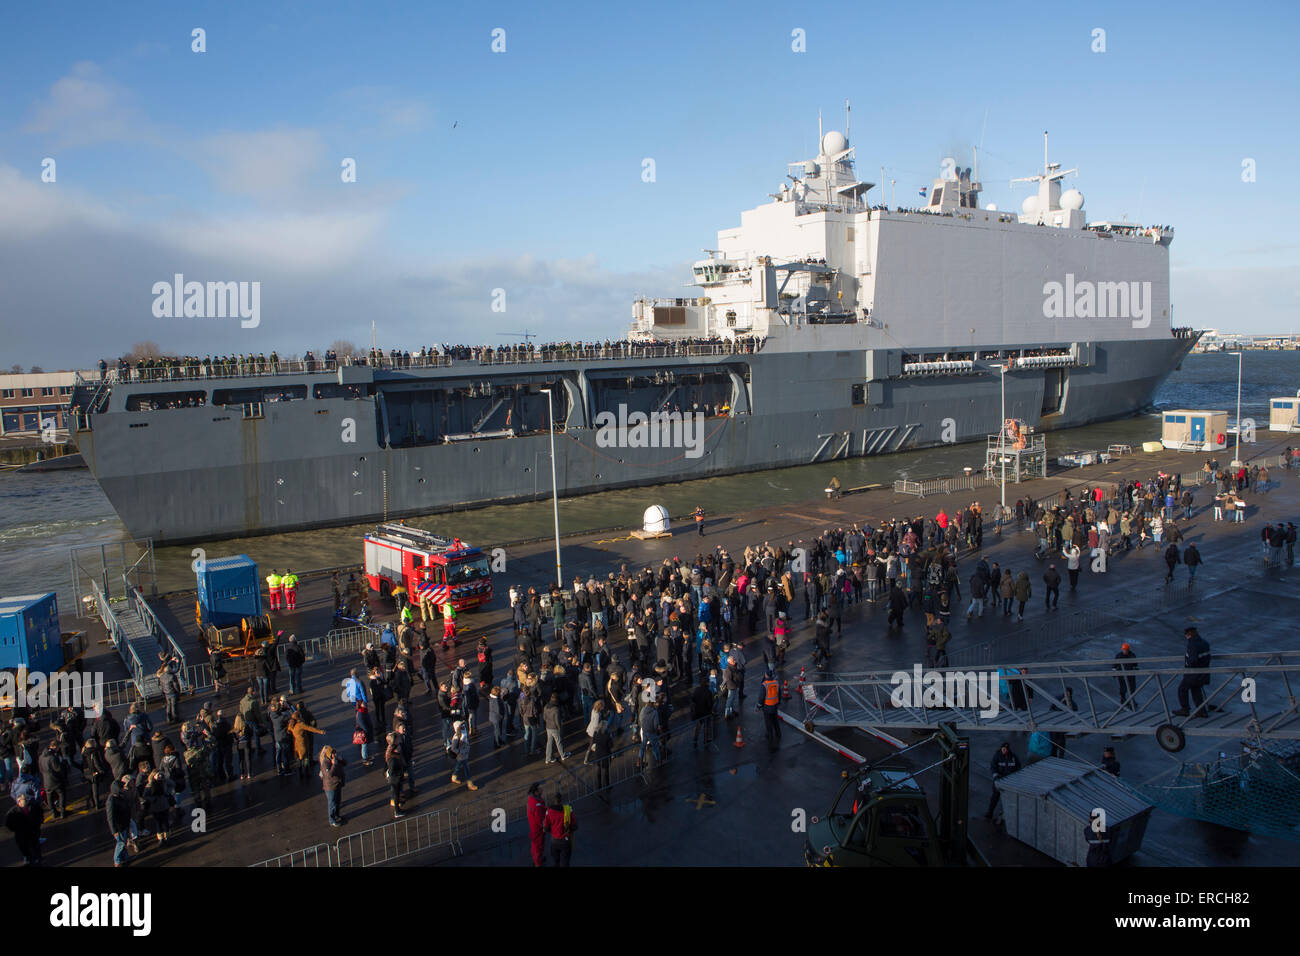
(1072, 199)
(834, 142)
(992, 207)
(1029, 206)
(656, 519)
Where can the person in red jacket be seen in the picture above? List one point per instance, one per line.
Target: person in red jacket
(562, 824)
(537, 823)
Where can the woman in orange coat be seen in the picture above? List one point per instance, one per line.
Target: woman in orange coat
(299, 729)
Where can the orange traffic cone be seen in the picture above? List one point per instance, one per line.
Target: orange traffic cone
(785, 690)
(740, 738)
(800, 687)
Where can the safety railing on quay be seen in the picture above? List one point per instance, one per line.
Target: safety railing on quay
(118, 693)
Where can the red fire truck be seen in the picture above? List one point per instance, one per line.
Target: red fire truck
(398, 555)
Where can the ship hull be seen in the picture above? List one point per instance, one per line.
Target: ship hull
(192, 474)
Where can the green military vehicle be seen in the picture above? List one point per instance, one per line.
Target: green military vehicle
(889, 822)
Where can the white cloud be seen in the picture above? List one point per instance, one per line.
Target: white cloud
(82, 108)
(29, 207)
(379, 110)
(270, 164)
(295, 242)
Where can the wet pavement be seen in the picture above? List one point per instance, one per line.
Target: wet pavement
(728, 806)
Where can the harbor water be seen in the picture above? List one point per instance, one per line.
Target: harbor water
(43, 516)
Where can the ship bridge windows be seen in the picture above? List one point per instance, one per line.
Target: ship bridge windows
(155, 401)
(713, 271)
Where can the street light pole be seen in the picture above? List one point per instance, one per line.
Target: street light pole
(1002, 430)
(555, 492)
(1237, 453)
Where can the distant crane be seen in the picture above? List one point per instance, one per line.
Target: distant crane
(525, 335)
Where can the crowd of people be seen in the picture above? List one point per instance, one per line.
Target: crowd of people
(603, 663)
(186, 367)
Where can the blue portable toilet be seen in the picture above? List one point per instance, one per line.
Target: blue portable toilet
(229, 590)
(29, 633)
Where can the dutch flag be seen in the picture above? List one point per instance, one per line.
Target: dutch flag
(923, 190)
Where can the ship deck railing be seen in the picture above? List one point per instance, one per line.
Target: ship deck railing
(476, 359)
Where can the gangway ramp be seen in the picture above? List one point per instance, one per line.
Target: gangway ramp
(112, 587)
(1248, 695)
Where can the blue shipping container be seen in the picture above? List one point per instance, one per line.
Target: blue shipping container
(29, 633)
(229, 589)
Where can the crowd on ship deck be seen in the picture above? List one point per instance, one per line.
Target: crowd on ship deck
(170, 368)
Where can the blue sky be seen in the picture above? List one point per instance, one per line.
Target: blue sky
(522, 170)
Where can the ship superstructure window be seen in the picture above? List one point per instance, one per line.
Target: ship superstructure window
(285, 393)
(859, 395)
(156, 401)
(244, 396)
(669, 315)
(335, 390)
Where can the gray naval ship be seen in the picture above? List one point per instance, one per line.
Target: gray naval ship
(821, 327)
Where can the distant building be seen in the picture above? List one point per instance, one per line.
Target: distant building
(27, 399)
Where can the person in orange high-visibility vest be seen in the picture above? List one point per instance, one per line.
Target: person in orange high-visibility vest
(771, 702)
(448, 625)
(275, 584)
(699, 521)
(290, 584)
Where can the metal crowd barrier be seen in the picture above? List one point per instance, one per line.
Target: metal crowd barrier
(941, 486)
(394, 840)
(320, 855)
